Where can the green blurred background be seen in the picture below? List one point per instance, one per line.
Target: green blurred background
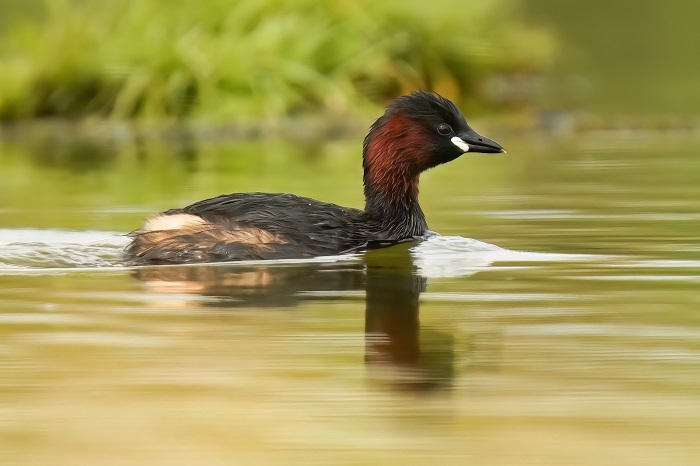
(225, 61)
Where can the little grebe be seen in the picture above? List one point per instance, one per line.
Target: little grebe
(417, 132)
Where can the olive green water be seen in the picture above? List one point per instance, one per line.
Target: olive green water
(584, 351)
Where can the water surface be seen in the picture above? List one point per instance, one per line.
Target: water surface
(556, 321)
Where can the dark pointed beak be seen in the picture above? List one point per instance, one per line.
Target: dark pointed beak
(471, 141)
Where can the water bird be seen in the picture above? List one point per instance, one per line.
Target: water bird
(416, 132)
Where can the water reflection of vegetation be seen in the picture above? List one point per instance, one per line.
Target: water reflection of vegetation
(219, 59)
(117, 192)
(634, 185)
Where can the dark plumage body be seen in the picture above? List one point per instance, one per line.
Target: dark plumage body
(405, 141)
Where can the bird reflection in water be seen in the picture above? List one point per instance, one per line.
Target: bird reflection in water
(388, 276)
(393, 340)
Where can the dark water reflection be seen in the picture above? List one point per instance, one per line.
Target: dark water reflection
(392, 324)
(388, 279)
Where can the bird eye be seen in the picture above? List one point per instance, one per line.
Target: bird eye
(444, 129)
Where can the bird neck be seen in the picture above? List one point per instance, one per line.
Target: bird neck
(391, 172)
(395, 208)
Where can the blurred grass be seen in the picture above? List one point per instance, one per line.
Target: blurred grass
(223, 59)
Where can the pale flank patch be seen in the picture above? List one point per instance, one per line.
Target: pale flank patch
(173, 222)
(459, 142)
(192, 237)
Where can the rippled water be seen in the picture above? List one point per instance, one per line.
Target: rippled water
(566, 332)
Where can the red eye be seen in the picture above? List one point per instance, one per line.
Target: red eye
(444, 129)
